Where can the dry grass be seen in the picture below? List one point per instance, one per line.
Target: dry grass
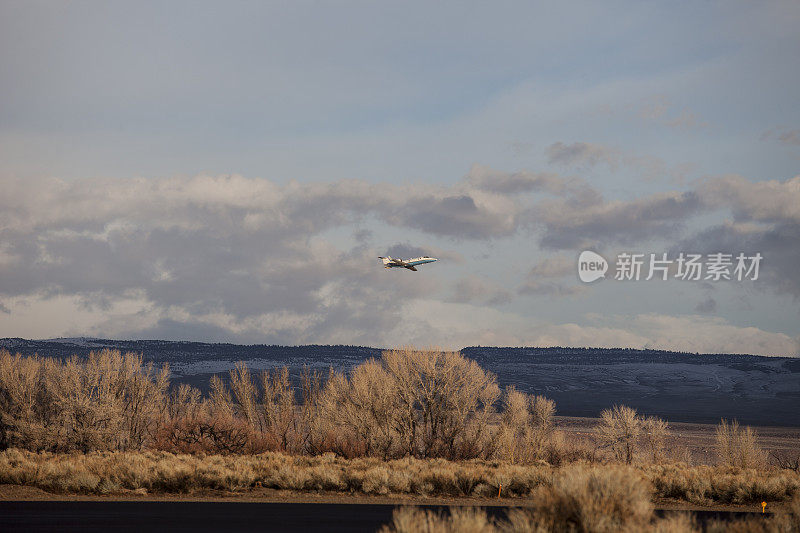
(705, 484)
(609, 498)
(458, 520)
(422, 423)
(603, 513)
(104, 472)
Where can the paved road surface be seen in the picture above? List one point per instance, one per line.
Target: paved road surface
(152, 517)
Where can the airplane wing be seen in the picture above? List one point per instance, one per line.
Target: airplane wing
(411, 267)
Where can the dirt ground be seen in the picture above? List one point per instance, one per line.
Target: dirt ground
(261, 495)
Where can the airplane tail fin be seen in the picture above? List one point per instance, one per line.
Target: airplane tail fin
(386, 260)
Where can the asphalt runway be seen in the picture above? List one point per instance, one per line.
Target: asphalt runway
(151, 517)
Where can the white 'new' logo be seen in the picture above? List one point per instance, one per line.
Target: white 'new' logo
(591, 266)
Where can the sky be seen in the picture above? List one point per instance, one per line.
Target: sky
(230, 171)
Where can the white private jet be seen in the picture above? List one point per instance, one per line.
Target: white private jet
(388, 262)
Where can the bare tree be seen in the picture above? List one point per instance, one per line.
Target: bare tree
(24, 412)
(540, 420)
(526, 427)
(737, 446)
(281, 419)
(619, 429)
(184, 401)
(313, 428)
(144, 399)
(220, 401)
(445, 401)
(245, 395)
(364, 403)
(512, 433)
(654, 434)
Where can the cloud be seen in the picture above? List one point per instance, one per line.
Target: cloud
(581, 154)
(770, 201)
(789, 137)
(447, 324)
(487, 179)
(255, 259)
(407, 251)
(470, 215)
(655, 108)
(580, 222)
(766, 220)
(709, 305)
(695, 333)
(549, 288)
(659, 109)
(554, 267)
(475, 289)
(778, 244)
(226, 252)
(686, 120)
(539, 280)
(584, 218)
(238, 255)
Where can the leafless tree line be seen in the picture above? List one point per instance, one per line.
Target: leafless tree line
(429, 403)
(418, 403)
(106, 401)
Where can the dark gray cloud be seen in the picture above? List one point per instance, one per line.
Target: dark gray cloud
(458, 215)
(766, 220)
(487, 179)
(580, 222)
(707, 306)
(779, 246)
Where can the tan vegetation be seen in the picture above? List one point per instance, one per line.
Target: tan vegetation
(408, 403)
(620, 431)
(654, 435)
(106, 401)
(412, 422)
(737, 446)
(103, 472)
(589, 500)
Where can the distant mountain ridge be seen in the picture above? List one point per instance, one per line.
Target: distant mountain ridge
(679, 386)
(158, 349)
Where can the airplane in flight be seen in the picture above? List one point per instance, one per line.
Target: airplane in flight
(389, 262)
